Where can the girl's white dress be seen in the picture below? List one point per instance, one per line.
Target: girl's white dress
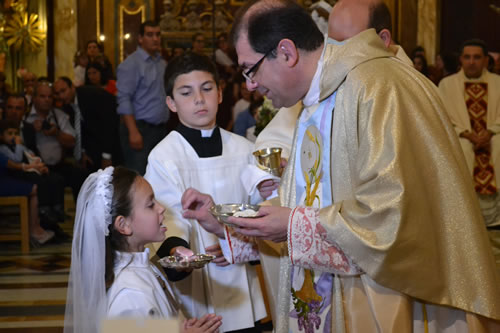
(136, 290)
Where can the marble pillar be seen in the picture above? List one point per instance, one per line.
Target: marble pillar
(65, 37)
(428, 28)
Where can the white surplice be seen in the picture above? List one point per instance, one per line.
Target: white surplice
(232, 292)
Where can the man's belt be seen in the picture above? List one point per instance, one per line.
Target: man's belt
(142, 122)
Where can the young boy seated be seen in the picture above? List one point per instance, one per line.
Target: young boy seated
(198, 154)
(12, 147)
(33, 170)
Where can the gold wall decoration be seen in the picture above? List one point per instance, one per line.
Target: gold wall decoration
(124, 11)
(180, 20)
(98, 18)
(195, 16)
(19, 5)
(23, 30)
(237, 2)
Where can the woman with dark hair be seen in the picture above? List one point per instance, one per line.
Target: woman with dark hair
(96, 75)
(95, 53)
(420, 64)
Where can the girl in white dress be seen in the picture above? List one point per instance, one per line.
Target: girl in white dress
(111, 275)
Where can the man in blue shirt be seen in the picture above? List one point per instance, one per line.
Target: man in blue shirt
(141, 98)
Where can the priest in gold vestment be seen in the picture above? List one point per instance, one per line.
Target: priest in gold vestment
(382, 229)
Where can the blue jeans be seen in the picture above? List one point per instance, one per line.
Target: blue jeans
(151, 136)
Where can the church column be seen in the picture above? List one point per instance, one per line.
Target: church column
(428, 27)
(65, 37)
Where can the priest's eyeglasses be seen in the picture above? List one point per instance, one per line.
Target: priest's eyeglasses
(249, 74)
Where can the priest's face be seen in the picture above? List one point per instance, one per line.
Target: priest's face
(269, 76)
(196, 98)
(473, 60)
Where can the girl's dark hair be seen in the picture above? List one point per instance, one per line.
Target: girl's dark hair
(98, 67)
(425, 68)
(185, 64)
(121, 205)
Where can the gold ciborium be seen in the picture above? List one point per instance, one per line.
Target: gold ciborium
(269, 160)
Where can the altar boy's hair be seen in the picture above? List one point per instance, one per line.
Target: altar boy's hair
(185, 64)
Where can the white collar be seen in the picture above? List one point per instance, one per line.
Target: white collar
(137, 259)
(312, 96)
(482, 78)
(206, 133)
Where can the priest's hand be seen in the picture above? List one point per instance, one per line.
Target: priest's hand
(484, 139)
(216, 251)
(197, 206)
(271, 224)
(472, 137)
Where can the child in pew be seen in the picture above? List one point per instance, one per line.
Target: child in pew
(33, 170)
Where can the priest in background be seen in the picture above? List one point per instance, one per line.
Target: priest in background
(472, 101)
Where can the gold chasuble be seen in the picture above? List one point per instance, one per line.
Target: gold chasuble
(403, 206)
(476, 101)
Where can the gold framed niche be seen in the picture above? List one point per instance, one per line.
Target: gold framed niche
(130, 20)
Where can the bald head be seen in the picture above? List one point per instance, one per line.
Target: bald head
(350, 17)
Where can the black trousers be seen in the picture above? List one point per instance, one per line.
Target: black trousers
(151, 136)
(73, 176)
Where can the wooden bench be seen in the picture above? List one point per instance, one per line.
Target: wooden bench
(24, 235)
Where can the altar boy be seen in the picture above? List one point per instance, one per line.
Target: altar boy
(201, 155)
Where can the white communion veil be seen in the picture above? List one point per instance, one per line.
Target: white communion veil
(86, 302)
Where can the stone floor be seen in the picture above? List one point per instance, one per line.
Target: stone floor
(33, 286)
